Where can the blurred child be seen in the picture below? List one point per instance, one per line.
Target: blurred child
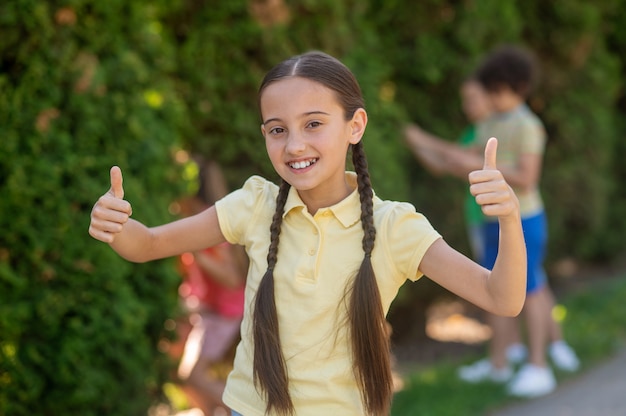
(213, 294)
(508, 74)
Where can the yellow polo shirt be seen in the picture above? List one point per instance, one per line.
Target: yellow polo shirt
(318, 257)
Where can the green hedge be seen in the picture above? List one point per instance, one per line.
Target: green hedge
(83, 88)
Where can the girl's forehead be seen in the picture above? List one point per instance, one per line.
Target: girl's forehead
(295, 84)
(289, 93)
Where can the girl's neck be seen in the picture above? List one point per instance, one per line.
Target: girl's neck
(317, 199)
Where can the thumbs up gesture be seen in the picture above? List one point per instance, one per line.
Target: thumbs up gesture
(491, 191)
(111, 211)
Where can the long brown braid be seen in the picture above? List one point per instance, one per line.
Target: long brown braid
(369, 341)
(370, 344)
(270, 369)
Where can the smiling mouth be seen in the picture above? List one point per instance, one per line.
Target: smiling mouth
(302, 164)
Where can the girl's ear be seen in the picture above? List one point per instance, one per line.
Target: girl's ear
(263, 129)
(357, 125)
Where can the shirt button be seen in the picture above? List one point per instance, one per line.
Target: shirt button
(311, 252)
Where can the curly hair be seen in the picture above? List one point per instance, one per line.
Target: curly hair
(509, 66)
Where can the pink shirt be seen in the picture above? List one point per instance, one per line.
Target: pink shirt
(212, 295)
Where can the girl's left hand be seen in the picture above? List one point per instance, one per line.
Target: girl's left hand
(491, 191)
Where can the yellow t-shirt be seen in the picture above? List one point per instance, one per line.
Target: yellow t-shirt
(318, 256)
(519, 132)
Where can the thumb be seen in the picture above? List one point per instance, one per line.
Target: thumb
(491, 149)
(116, 182)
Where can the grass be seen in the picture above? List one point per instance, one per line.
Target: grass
(595, 325)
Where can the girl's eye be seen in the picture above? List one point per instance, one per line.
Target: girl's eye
(314, 124)
(277, 130)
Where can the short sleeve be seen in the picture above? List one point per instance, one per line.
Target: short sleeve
(240, 209)
(532, 136)
(408, 235)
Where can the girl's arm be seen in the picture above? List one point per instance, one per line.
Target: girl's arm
(111, 223)
(503, 290)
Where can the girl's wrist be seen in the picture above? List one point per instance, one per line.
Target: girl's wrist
(512, 218)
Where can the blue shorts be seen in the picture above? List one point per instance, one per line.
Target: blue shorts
(536, 237)
(233, 413)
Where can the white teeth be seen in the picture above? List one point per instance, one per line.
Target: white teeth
(303, 164)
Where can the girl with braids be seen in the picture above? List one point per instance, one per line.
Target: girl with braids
(327, 256)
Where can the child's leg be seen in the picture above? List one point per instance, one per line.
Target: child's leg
(217, 335)
(535, 378)
(502, 329)
(537, 309)
(536, 312)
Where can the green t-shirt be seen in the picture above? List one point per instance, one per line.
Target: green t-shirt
(472, 211)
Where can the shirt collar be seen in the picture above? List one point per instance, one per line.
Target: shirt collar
(522, 108)
(347, 211)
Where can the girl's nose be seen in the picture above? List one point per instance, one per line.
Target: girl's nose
(295, 143)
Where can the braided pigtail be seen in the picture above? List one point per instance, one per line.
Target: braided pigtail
(269, 367)
(370, 343)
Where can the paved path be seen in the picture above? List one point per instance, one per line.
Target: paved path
(600, 390)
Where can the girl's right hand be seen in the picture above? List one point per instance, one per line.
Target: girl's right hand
(491, 190)
(111, 211)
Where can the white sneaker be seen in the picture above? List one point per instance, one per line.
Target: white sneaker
(483, 371)
(532, 381)
(563, 356)
(516, 353)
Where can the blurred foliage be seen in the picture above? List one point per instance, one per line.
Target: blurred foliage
(86, 85)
